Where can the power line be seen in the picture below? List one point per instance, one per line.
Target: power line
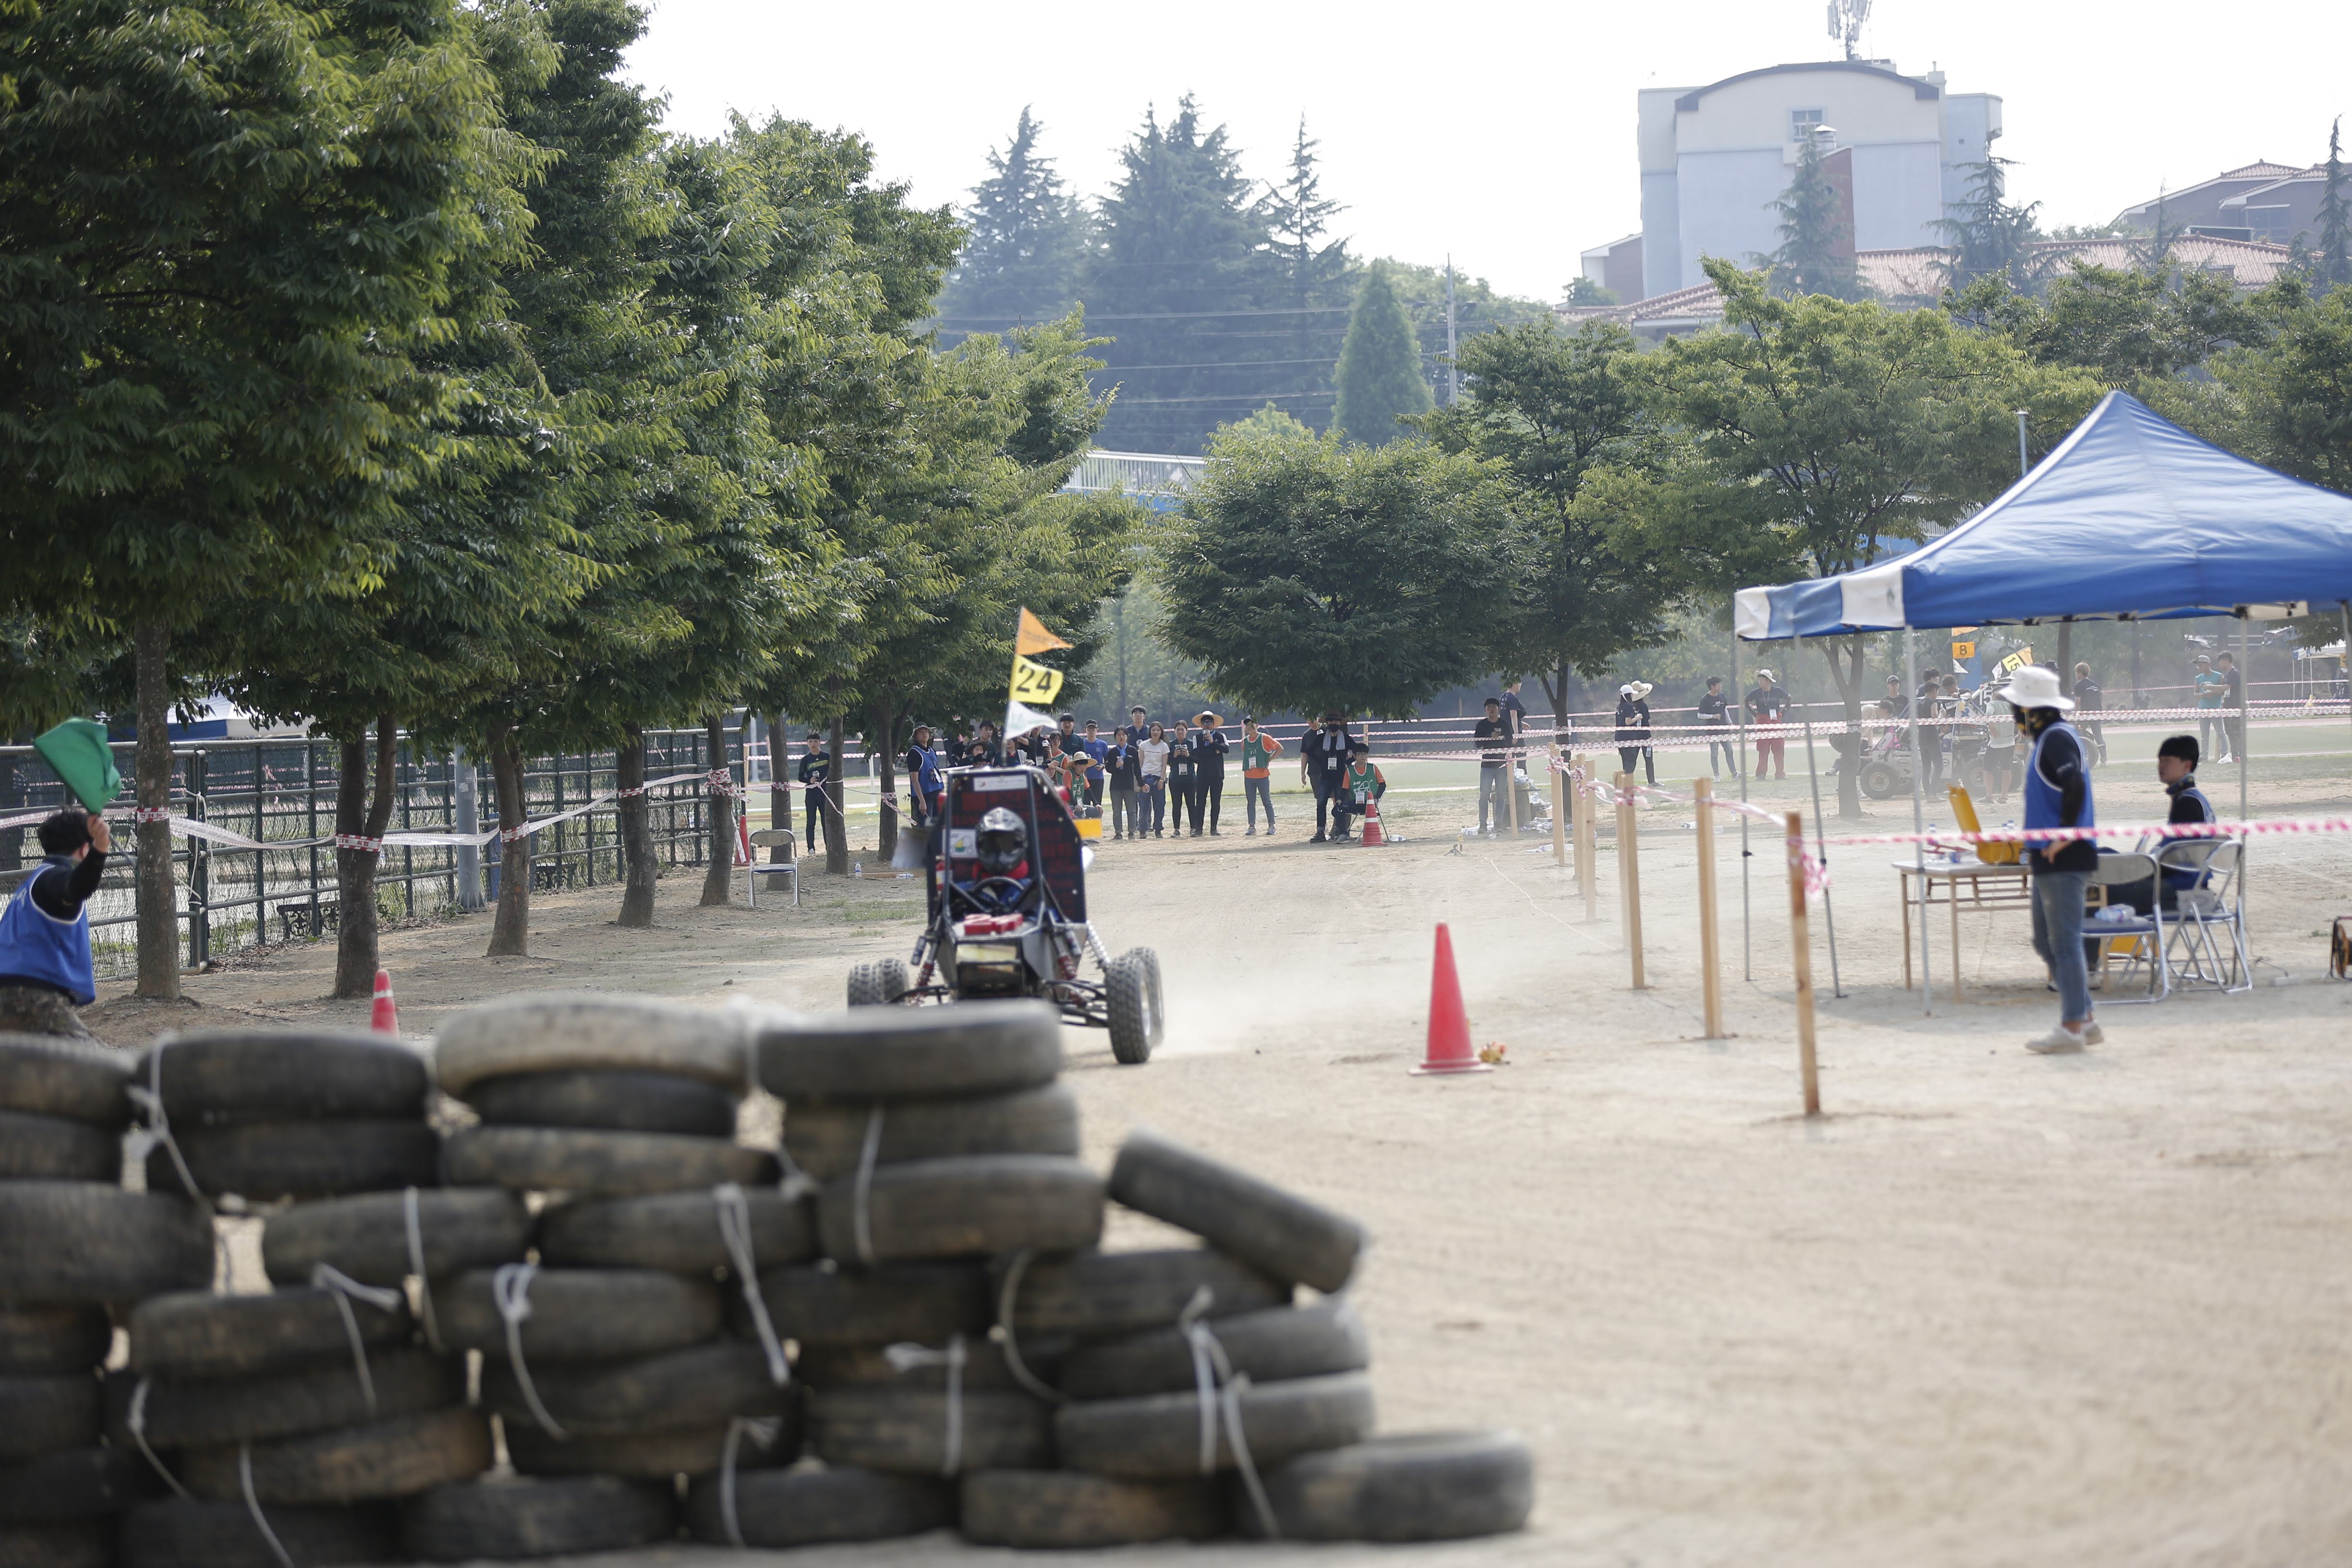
(1234, 397)
(1180, 315)
(1218, 364)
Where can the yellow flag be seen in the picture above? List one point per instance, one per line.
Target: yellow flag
(1034, 682)
(1032, 637)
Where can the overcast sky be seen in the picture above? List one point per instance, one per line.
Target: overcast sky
(1499, 131)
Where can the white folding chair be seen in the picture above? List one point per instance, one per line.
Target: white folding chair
(2204, 915)
(2148, 947)
(790, 865)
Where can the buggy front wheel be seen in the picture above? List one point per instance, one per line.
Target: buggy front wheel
(1131, 997)
(877, 985)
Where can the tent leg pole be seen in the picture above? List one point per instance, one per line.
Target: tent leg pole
(1820, 831)
(1747, 939)
(2245, 744)
(1918, 815)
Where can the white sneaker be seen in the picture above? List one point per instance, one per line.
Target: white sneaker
(2057, 1040)
(2092, 1034)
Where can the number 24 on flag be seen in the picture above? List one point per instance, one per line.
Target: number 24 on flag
(1033, 682)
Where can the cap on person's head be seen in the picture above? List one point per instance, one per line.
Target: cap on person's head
(2182, 747)
(63, 832)
(1333, 716)
(1069, 717)
(1092, 725)
(1249, 718)
(1138, 709)
(1894, 680)
(2204, 658)
(1765, 674)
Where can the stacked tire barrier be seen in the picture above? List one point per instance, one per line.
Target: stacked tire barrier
(898, 1321)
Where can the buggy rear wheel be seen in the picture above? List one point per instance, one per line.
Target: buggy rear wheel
(877, 985)
(1880, 780)
(1131, 997)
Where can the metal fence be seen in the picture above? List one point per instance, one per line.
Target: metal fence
(230, 899)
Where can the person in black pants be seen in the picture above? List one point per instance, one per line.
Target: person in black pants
(1714, 715)
(1633, 727)
(1323, 759)
(1208, 771)
(813, 770)
(1183, 775)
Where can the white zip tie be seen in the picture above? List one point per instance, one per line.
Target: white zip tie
(734, 1214)
(1005, 1296)
(253, 1505)
(861, 1217)
(1212, 1367)
(416, 1267)
(138, 1425)
(906, 1357)
(345, 1289)
(510, 1292)
(763, 1430)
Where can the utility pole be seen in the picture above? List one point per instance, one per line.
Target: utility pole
(1452, 367)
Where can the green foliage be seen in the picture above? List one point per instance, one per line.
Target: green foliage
(1477, 308)
(1583, 291)
(1266, 424)
(1378, 377)
(1989, 237)
(1816, 253)
(1303, 575)
(2333, 264)
(1028, 240)
(2287, 402)
(2127, 327)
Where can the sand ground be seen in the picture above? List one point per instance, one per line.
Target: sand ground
(1992, 1307)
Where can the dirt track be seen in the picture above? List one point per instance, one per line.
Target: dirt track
(1993, 1307)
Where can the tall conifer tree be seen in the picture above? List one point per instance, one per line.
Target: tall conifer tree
(2334, 259)
(1380, 378)
(1816, 253)
(1028, 237)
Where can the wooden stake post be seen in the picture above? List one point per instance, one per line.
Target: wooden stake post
(1710, 980)
(1559, 798)
(1629, 877)
(1800, 950)
(1588, 836)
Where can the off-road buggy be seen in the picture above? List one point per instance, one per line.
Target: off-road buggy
(1007, 916)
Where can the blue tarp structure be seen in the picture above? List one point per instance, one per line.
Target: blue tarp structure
(2131, 515)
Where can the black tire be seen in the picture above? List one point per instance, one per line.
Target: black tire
(651, 1456)
(1976, 780)
(869, 1366)
(74, 1483)
(913, 1053)
(194, 1333)
(673, 1231)
(1131, 995)
(589, 1032)
(70, 1243)
(42, 1413)
(265, 1161)
(176, 1532)
(865, 986)
(703, 1386)
(207, 1412)
(53, 1339)
(1068, 1509)
(1278, 1345)
(811, 1507)
(1096, 1294)
(606, 1164)
(45, 1076)
(393, 1458)
(614, 1101)
(507, 1520)
(581, 1314)
(1879, 780)
(56, 1149)
(891, 978)
(62, 1544)
(905, 1430)
(927, 1303)
(285, 1075)
(366, 1236)
(962, 1208)
(1285, 1237)
(826, 1138)
(1157, 1436)
(1425, 1486)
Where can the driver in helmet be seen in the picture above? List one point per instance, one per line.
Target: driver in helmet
(1001, 847)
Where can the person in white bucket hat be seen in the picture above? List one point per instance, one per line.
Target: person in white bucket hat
(1633, 728)
(2057, 794)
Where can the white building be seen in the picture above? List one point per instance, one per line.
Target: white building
(1714, 159)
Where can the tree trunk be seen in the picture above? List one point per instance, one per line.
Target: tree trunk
(1850, 689)
(837, 830)
(355, 923)
(885, 831)
(2066, 657)
(780, 799)
(511, 927)
(718, 881)
(159, 921)
(638, 866)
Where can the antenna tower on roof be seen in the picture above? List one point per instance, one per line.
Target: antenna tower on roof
(1846, 17)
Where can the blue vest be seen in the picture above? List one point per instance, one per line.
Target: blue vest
(36, 945)
(2044, 807)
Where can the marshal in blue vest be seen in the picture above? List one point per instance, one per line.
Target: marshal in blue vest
(36, 945)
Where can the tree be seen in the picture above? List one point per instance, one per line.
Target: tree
(1183, 274)
(1550, 409)
(1582, 290)
(1312, 574)
(1316, 279)
(1816, 253)
(2290, 399)
(1380, 379)
(1826, 429)
(1028, 239)
(220, 274)
(2333, 262)
(1266, 423)
(2129, 327)
(1988, 236)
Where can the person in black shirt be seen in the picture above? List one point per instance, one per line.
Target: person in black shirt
(1137, 730)
(1766, 703)
(1633, 727)
(45, 958)
(1715, 716)
(1124, 777)
(1209, 749)
(2089, 697)
(1491, 738)
(1183, 777)
(1323, 763)
(814, 769)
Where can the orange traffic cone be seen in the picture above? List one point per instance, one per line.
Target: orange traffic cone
(383, 1017)
(1371, 834)
(1449, 1026)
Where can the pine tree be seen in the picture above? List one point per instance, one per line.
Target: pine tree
(1182, 276)
(1028, 237)
(2334, 263)
(1816, 254)
(1987, 237)
(1316, 279)
(1380, 378)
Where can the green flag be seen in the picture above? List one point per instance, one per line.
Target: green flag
(77, 751)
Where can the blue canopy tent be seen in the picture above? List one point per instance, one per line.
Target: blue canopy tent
(2131, 518)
